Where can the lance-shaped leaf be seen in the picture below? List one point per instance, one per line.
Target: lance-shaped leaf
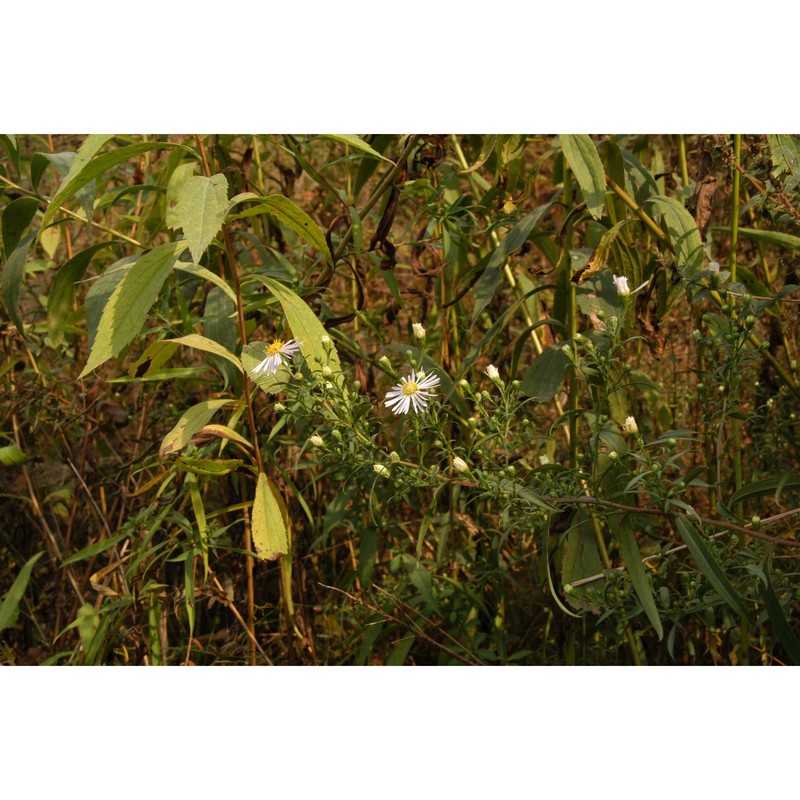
(683, 234)
(200, 210)
(285, 211)
(355, 141)
(269, 530)
(639, 577)
(583, 159)
(127, 307)
(208, 345)
(9, 610)
(709, 565)
(17, 215)
(13, 278)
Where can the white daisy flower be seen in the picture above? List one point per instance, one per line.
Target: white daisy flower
(414, 390)
(277, 353)
(493, 372)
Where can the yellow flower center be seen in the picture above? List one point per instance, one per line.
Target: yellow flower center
(410, 388)
(275, 348)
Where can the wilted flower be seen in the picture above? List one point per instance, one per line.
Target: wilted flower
(419, 331)
(277, 353)
(317, 440)
(413, 391)
(630, 426)
(381, 470)
(459, 465)
(492, 372)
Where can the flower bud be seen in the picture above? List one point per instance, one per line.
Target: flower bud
(381, 470)
(394, 456)
(419, 331)
(459, 465)
(492, 372)
(630, 426)
(317, 440)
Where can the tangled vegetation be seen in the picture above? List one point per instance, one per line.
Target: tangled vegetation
(424, 399)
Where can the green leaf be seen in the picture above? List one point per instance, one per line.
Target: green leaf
(200, 210)
(62, 291)
(13, 456)
(514, 239)
(209, 466)
(97, 166)
(9, 610)
(768, 237)
(709, 565)
(683, 234)
(306, 328)
(580, 559)
(487, 148)
(127, 308)
(785, 152)
(14, 278)
(639, 577)
(207, 345)
(189, 424)
(773, 486)
(780, 625)
(9, 142)
(583, 159)
(177, 180)
(269, 530)
(17, 215)
(285, 211)
(208, 275)
(354, 141)
(543, 379)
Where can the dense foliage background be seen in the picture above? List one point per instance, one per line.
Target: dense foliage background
(604, 474)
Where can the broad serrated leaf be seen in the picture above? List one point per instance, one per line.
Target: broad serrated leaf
(200, 210)
(192, 421)
(17, 215)
(9, 610)
(709, 566)
(267, 523)
(306, 328)
(641, 581)
(682, 231)
(177, 180)
(14, 278)
(785, 152)
(285, 211)
(355, 141)
(126, 310)
(97, 166)
(584, 161)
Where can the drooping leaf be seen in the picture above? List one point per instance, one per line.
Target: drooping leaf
(192, 421)
(584, 161)
(14, 278)
(544, 378)
(17, 215)
(9, 610)
(488, 142)
(62, 291)
(127, 307)
(269, 532)
(512, 241)
(306, 328)
(207, 345)
(285, 211)
(709, 566)
(355, 141)
(97, 166)
(772, 486)
(200, 210)
(641, 581)
(206, 274)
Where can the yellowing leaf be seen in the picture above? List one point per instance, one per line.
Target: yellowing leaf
(269, 530)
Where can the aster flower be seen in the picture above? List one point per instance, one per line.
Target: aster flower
(414, 391)
(493, 372)
(419, 331)
(278, 353)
